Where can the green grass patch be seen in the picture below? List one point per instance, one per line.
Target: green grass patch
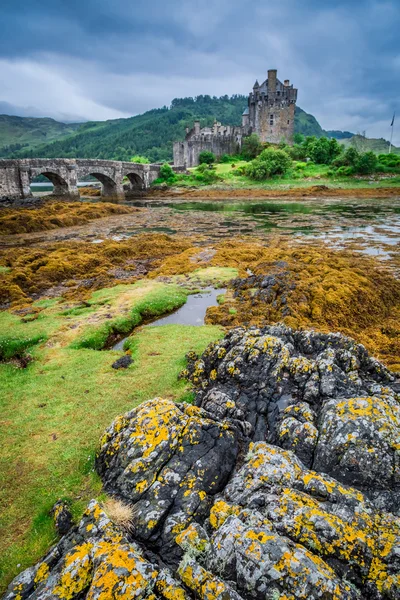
(53, 414)
(160, 299)
(12, 347)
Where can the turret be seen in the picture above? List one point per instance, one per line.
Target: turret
(197, 127)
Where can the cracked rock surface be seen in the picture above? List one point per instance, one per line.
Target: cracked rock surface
(282, 483)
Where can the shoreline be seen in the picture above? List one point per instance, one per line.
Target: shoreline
(315, 191)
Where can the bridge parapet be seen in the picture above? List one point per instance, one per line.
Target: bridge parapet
(64, 173)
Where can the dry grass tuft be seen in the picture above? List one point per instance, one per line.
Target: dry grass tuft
(119, 512)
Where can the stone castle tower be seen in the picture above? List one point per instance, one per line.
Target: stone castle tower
(270, 114)
(271, 108)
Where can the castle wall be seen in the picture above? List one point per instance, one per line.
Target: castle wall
(219, 140)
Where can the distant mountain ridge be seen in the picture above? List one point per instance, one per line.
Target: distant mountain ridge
(150, 134)
(17, 133)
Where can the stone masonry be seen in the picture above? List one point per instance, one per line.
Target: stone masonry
(270, 115)
(17, 175)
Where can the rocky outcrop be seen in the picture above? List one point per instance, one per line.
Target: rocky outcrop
(320, 395)
(282, 483)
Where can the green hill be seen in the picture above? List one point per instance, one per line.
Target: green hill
(152, 133)
(377, 145)
(25, 133)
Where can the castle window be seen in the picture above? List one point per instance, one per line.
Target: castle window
(271, 117)
(288, 122)
(271, 122)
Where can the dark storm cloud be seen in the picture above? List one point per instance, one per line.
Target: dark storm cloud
(101, 59)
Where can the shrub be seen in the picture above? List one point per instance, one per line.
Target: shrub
(206, 157)
(205, 174)
(345, 171)
(251, 147)
(269, 162)
(167, 175)
(166, 172)
(297, 152)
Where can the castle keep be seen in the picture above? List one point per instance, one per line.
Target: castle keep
(270, 115)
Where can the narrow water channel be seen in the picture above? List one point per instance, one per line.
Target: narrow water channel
(193, 312)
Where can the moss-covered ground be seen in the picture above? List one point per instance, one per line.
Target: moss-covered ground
(53, 214)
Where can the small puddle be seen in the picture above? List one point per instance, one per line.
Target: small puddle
(193, 312)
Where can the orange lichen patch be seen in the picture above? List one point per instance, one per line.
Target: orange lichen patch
(200, 581)
(312, 479)
(120, 570)
(42, 573)
(169, 589)
(36, 269)
(53, 214)
(322, 288)
(220, 512)
(303, 517)
(76, 574)
(191, 540)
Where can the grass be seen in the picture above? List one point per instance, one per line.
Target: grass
(149, 299)
(54, 412)
(301, 175)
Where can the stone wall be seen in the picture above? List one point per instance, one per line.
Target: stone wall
(219, 139)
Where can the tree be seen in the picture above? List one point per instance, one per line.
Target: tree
(251, 147)
(140, 159)
(351, 157)
(298, 138)
(320, 151)
(367, 163)
(206, 157)
(335, 149)
(270, 162)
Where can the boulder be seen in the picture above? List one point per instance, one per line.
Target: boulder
(281, 483)
(167, 461)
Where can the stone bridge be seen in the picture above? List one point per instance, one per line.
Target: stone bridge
(16, 176)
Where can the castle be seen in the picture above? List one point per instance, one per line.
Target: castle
(270, 115)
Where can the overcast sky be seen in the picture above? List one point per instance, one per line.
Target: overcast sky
(103, 59)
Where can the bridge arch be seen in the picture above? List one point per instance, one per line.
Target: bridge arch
(109, 186)
(61, 186)
(136, 182)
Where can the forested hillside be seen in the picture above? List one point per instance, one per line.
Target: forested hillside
(153, 133)
(25, 133)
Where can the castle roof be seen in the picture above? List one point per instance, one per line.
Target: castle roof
(246, 111)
